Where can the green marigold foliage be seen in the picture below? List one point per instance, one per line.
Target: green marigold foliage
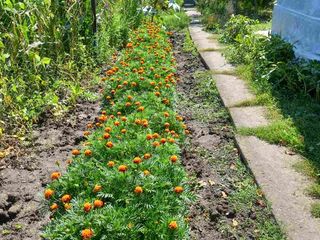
(129, 160)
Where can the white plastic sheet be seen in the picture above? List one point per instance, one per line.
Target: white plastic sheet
(298, 21)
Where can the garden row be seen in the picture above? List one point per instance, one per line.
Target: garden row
(127, 181)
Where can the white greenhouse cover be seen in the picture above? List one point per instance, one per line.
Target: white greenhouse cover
(298, 21)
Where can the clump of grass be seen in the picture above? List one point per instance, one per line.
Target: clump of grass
(188, 45)
(176, 22)
(314, 190)
(315, 210)
(280, 132)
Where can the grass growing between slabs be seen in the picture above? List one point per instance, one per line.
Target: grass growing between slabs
(127, 182)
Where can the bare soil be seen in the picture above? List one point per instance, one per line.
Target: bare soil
(26, 170)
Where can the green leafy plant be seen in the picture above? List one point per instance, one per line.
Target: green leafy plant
(127, 181)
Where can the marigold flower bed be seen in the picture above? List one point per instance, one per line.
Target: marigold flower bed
(127, 181)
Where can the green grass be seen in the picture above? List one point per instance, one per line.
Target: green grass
(176, 22)
(281, 132)
(314, 190)
(262, 26)
(188, 45)
(315, 210)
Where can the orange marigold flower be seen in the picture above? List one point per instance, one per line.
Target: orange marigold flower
(109, 144)
(173, 225)
(55, 175)
(68, 161)
(187, 131)
(147, 156)
(145, 123)
(108, 129)
(128, 104)
(75, 152)
(163, 140)
(98, 203)
(166, 114)
(137, 121)
(87, 152)
(146, 172)
(155, 135)
(111, 164)
(178, 189)
(173, 158)
(103, 118)
(116, 123)
(106, 136)
(156, 144)
(86, 233)
(122, 168)
(171, 140)
(137, 160)
(130, 97)
(123, 119)
(134, 84)
(149, 136)
(87, 207)
(166, 125)
(48, 193)
(97, 188)
(138, 190)
(137, 103)
(129, 45)
(86, 133)
(54, 206)
(141, 108)
(66, 198)
(123, 131)
(67, 206)
(157, 94)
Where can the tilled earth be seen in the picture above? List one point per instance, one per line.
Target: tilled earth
(229, 204)
(26, 170)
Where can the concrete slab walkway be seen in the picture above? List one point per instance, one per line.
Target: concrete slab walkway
(270, 164)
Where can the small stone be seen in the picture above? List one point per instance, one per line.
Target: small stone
(3, 200)
(14, 210)
(231, 213)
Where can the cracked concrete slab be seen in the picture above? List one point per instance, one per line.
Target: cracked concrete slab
(282, 185)
(249, 117)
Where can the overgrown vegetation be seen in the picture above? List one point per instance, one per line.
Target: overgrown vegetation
(216, 13)
(288, 86)
(48, 51)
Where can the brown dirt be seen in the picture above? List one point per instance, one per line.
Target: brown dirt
(26, 170)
